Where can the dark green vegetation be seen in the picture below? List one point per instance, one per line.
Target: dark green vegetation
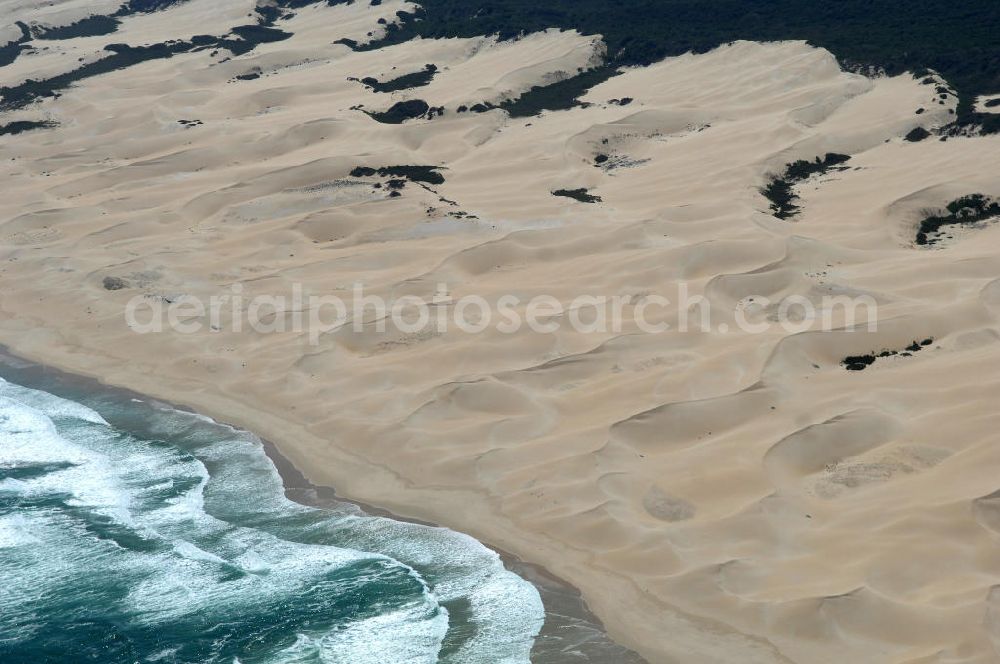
(10, 51)
(146, 6)
(967, 210)
(402, 111)
(92, 26)
(862, 362)
(240, 40)
(122, 56)
(476, 108)
(249, 36)
(958, 40)
(916, 135)
(114, 283)
(25, 125)
(557, 96)
(577, 194)
(780, 190)
(426, 174)
(406, 81)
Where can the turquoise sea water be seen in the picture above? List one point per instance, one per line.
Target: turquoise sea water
(131, 531)
(178, 545)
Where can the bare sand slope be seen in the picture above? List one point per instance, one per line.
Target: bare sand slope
(718, 497)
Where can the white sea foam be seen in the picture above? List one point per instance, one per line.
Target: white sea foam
(399, 637)
(29, 437)
(507, 610)
(50, 404)
(15, 530)
(263, 565)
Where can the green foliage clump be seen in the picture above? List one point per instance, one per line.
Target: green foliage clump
(91, 26)
(401, 111)
(577, 194)
(557, 96)
(967, 210)
(916, 135)
(19, 126)
(405, 82)
(780, 190)
(428, 174)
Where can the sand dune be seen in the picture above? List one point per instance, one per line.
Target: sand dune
(717, 496)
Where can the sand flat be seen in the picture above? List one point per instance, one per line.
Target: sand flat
(716, 496)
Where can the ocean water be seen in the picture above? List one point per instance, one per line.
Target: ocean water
(131, 531)
(179, 545)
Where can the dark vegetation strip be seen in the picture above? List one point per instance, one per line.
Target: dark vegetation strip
(557, 96)
(415, 80)
(967, 210)
(91, 26)
(96, 25)
(401, 111)
(145, 6)
(250, 36)
(20, 126)
(581, 195)
(10, 50)
(406, 110)
(780, 191)
(122, 56)
(240, 40)
(862, 362)
(428, 174)
(958, 40)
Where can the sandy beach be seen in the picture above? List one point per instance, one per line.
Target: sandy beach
(716, 495)
(570, 632)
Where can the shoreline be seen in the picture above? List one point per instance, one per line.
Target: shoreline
(559, 597)
(568, 600)
(733, 493)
